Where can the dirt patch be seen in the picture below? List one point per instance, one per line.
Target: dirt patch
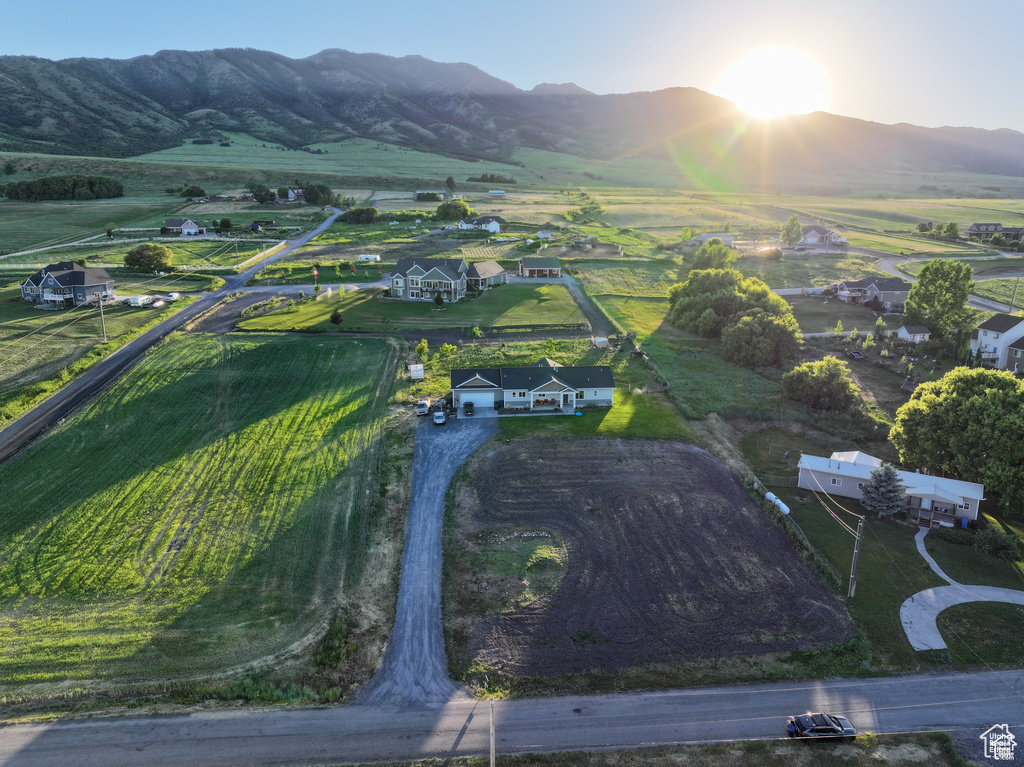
(668, 560)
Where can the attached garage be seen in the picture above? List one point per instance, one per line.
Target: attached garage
(480, 399)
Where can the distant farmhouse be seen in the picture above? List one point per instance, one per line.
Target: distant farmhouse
(492, 224)
(67, 284)
(890, 292)
(819, 235)
(543, 386)
(184, 226)
(985, 231)
(702, 239)
(420, 279)
(1000, 339)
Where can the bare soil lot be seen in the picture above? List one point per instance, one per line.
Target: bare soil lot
(668, 560)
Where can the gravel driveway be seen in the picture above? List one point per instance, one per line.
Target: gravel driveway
(414, 672)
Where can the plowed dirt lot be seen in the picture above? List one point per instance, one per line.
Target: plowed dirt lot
(668, 560)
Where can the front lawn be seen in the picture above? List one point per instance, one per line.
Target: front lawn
(506, 306)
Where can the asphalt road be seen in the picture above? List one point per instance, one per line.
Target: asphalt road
(34, 423)
(967, 703)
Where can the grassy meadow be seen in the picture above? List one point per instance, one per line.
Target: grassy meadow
(209, 517)
(513, 305)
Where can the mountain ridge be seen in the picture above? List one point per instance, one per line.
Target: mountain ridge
(127, 107)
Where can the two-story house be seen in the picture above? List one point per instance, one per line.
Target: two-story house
(1001, 341)
(67, 284)
(985, 231)
(890, 292)
(420, 279)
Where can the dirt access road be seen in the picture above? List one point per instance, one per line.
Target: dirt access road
(414, 672)
(668, 560)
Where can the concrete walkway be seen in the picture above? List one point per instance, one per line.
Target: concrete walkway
(919, 613)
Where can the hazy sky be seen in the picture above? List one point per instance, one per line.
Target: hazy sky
(927, 62)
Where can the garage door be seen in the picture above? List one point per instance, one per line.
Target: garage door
(479, 399)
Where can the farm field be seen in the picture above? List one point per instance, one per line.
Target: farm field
(665, 504)
(194, 252)
(513, 305)
(209, 518)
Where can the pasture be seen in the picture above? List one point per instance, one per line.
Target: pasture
(217, 510)
(513, 305)
(202, 253)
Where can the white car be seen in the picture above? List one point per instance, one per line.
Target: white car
(422, 407)
(439, 418)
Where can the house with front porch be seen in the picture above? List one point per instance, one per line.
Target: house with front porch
(67, 284)
(999, 338)
(985, 231)
(540, 266)
(485, 274)
(492, 224)
(186, 227)
(544, 386)
(420, 279)
(889, 292)
(930, 500)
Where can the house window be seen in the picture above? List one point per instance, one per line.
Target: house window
(966, 505)
(860, 485)
(595, 393)
(837, 481)
(398, 282)
(413, 282)
(1016, 352)
(581, 395)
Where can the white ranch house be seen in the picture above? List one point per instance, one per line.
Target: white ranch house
(819, 235)
(932, 500)
(492, 224)
(917, 334)
(186, 227)
(543, 387)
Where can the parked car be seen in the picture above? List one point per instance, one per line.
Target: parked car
(422, 407)
(469, 408)
(823, 726)
(439, 418)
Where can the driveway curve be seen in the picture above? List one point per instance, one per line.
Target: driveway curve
(919, 613)
(414, 672)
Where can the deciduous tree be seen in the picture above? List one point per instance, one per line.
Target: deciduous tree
(761, 339)
(938, 300)
(713, 254)
(453, 210)
(149, 257)
(822, 385)
(792, 232)
(968, 425)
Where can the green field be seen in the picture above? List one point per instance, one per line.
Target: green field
(820, 315)
(209, 517)
(200, 253)
(514, 305)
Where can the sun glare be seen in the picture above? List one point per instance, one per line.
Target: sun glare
(774, 81)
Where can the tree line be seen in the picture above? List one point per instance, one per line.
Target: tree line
(71, 187)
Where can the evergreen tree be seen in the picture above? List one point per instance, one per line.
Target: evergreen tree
(883, 492)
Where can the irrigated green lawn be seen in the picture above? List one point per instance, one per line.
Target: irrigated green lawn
(195, 252)
(205, 512)
(513, 305)
(817, 314)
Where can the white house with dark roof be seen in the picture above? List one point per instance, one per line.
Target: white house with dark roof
(67, 284)
(929, 498)
(890, 292)
(492, 224)
(186, 227)
(420, 279)
(1001, 341)
(916, 334)
(543, 386)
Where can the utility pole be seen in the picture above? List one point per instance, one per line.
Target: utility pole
(1015, 286)
(856, 554)
(103, 322)
(492, 732)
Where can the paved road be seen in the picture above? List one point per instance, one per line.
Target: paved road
(20, 433)
(460, 728)
(415, 669)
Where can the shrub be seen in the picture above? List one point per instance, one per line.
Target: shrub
(996, 543)
(953, 535)
(475, 332)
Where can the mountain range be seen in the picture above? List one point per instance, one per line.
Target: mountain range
(122, 108)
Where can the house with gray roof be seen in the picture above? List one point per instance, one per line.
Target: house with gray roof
(485, 274)
(916, 334)
(67, 284)
(492, 224)
(890, 292)
(819, 235)
(984, 231)
(1000, 340)
(930, 499)
(540, 266)
(420, 279)
(544, 386)
(186, 227)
